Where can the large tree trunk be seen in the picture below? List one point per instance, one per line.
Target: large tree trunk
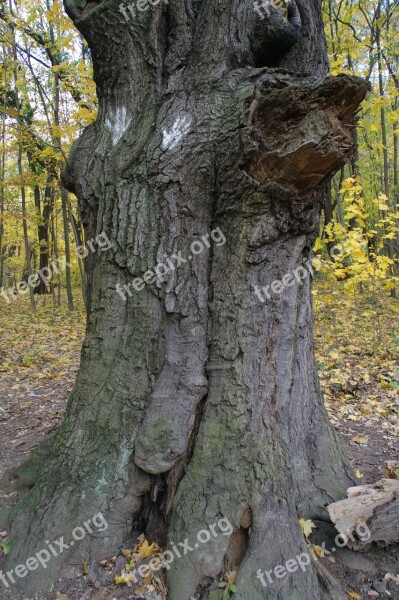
(195, 399)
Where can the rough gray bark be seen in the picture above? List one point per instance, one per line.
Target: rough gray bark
(194, 399)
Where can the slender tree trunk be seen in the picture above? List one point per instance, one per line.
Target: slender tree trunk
(25, 227)
(3, 248)
(64, 192)
(383, 123)
(42, 232)
(338, 187)
(65, 221)
(23, 198)
(56, 254)
(21, 174)
(328, 214)
(387, 243)
(396, 172)
(333, 32)
(196, 398)
(78, 244)
(2, 177)
(64, 199)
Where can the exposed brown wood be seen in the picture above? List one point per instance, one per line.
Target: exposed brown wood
(376, 506)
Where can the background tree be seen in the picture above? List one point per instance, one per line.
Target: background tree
(56, 97)
(362, 206)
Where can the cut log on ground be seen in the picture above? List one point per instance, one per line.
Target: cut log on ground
(375, 506)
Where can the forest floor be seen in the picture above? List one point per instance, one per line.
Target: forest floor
(357, 352)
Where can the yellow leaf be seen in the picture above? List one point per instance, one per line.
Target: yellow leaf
(318, 245)
(123, 578)
(307, 527)
(360, 439)
(231, 577)
(355, 595)
(148, 579)
(9, 111)
(318, 551)
(146, 550)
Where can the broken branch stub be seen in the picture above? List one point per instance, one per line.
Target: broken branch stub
(306, 132)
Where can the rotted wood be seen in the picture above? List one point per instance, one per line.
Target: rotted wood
(376, 506)
(306, 132)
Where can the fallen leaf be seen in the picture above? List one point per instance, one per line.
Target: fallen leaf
(231, 577)
(146, 550)
(123, 578)
(360, 439)
(307, 527)
(318, 551)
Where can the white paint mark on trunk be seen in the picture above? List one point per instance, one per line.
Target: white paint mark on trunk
(123, 462)
(118, 123)
(173, 136)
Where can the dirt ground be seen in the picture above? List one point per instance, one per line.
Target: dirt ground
(39, 358)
